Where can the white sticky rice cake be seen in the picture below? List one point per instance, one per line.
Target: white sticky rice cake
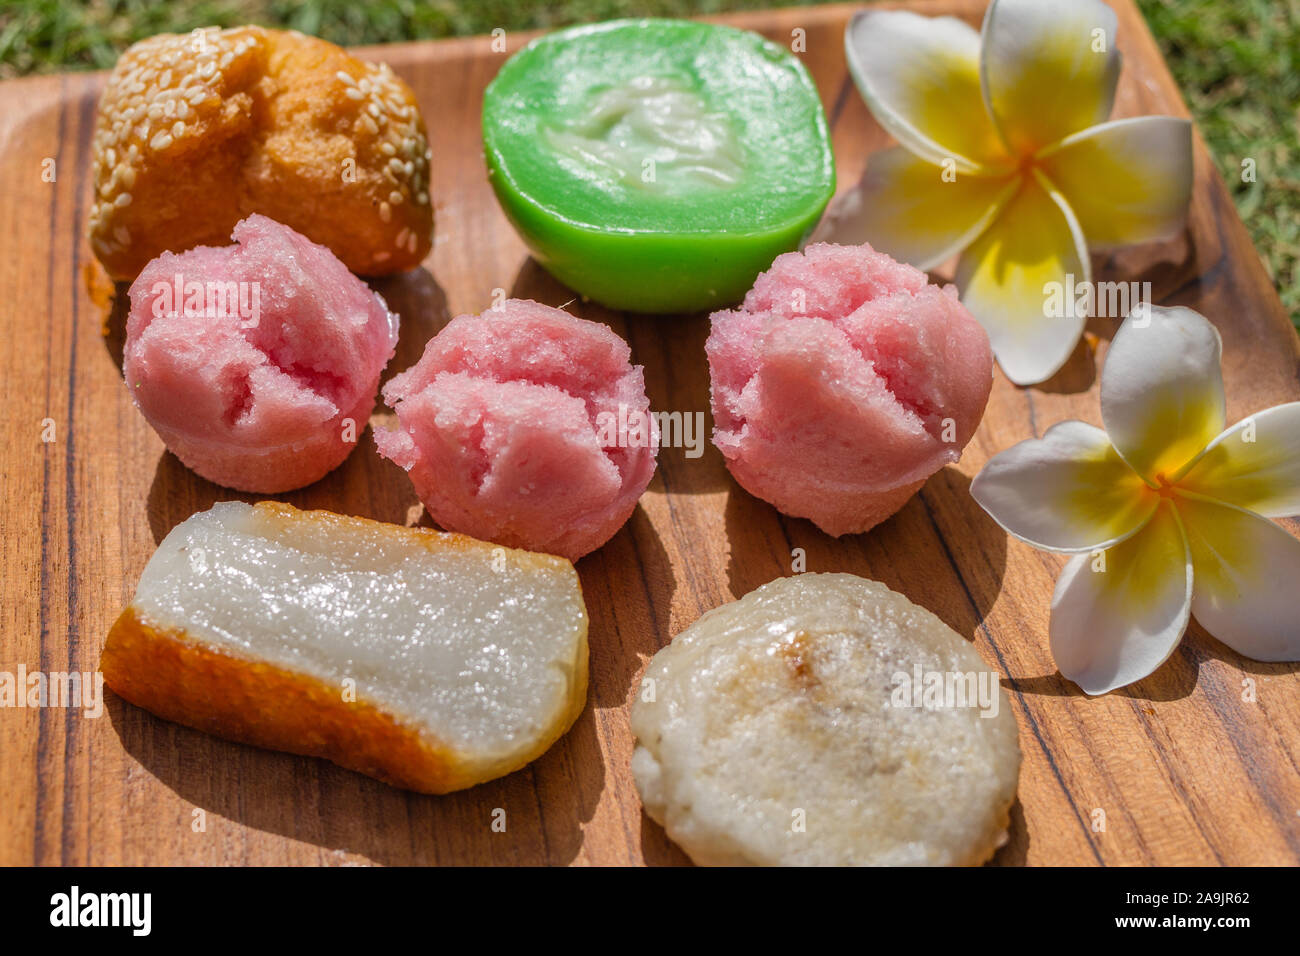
(781, 729)
(431, 661)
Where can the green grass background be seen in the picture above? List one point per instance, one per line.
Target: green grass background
(1237, 62)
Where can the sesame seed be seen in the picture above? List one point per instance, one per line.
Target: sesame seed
(395, 198)
(178, 129)
(160, 142)
(385, 212)
(122, 201)
(353, 93)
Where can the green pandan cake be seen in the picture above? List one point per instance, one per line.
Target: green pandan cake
(658, 165)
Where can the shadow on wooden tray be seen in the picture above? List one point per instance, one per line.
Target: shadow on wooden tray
(941, 550)
(420, 302)
(1016, 850)
(1177, 677)
(625, 633)
(314, 801)
(657, 849)
(366, 485)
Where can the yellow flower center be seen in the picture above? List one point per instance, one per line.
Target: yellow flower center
(1167, 488)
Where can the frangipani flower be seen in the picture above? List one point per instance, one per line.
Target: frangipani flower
(1006, 158)
(1166, 511)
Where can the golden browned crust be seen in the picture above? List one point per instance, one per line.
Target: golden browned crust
(177, 677)
(197, 131)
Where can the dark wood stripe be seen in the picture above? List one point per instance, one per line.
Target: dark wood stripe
(46, 584)
(541, 812)
(841, 99)
(1171, 774)
(76, 734)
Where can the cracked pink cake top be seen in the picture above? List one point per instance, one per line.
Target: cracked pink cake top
(266, 344)
(843, 375)
(509, 428)
(292, 340)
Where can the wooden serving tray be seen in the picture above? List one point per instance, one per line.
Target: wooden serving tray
(1183, 768)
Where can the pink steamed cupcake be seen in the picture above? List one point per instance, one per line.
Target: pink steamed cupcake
(525, 426)
(842, 382)
(257, 363)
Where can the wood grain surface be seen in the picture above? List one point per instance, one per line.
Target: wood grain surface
(1185, 767)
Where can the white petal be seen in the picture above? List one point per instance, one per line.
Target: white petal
(920, 78)
(1066, 491)
(1247, 579)
(905, 208)
(1128, 181)
(1049, 68)
(1115, 623)
(1162, 389)
(1005, 274)
(1255, 464)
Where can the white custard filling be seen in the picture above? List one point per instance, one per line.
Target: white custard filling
(653, 133)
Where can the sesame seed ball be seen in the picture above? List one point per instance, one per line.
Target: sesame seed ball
(197, 131)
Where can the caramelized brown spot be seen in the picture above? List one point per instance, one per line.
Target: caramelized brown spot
(797, 654)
